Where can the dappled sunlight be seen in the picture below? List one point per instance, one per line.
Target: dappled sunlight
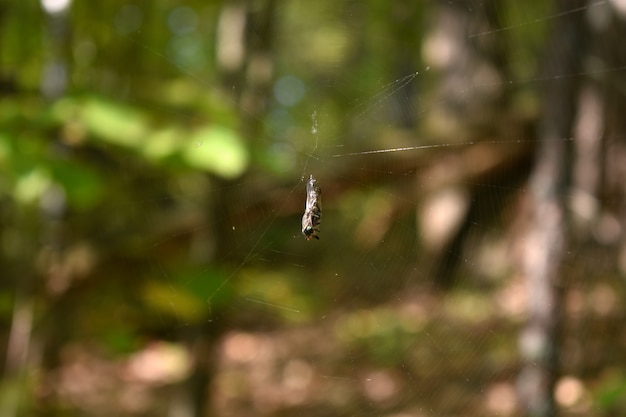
(158, 363)
(315, 366)
(267, 371)
(381, 386)
(571, 394)
(156, 177)
(603, 300)
(92, 381)
(441, 216)
(501, 399)
(244, 348)
(511, 300)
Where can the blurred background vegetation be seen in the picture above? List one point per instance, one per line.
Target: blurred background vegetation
(471, 259)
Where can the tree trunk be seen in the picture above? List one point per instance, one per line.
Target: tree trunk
(244, 46)
(547, 237)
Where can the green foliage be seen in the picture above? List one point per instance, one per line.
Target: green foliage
(83, 186)
(189, 295)
(611, 394)
(215, 149)
(382, 332)
(180, 181)
(279, 293)
(218, 150)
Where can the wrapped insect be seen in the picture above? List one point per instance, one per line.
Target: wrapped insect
(312, 210)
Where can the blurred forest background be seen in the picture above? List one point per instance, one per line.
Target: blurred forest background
(472, 161)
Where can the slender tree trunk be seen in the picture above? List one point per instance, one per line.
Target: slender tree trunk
(477, 64)
(41, 232)
(244, 46)
(547, 235)
(472, 112)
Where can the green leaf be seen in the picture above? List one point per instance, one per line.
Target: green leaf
(163, 144)
(83, 186)
(107, 120)
(31, 185)
(190, 294)
(217, 149)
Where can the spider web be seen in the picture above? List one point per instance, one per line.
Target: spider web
(351, 324)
